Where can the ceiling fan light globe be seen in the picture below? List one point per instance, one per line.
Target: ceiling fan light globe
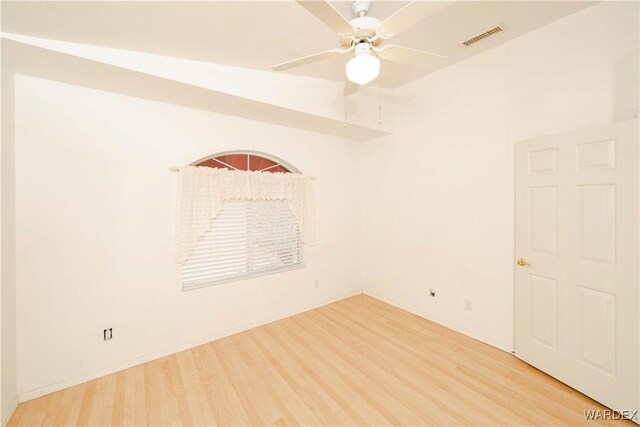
(363, 68)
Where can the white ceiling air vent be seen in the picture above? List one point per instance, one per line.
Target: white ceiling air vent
(484, 35)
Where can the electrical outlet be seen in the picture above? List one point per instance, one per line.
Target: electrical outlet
(432, 292)
(468, 306)
(107, 334)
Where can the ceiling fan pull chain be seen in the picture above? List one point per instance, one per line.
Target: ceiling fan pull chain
(379, 100)
(345, 111)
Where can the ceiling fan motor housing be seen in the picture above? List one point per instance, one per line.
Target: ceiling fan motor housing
(365, 23)
(363, 28)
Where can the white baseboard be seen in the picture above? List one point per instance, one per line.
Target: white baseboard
(479, 337)
(6, 417)
(32, 394)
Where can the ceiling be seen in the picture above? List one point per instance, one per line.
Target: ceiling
(259, 34)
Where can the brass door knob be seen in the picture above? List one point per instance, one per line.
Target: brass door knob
(523, 262)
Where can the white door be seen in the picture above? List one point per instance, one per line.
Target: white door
(576, 297)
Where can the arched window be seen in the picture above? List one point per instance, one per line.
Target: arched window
(246, 161)
(247, 238)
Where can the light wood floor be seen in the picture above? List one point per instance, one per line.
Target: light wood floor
(355, 362)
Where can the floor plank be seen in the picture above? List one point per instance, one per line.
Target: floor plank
(358, 361)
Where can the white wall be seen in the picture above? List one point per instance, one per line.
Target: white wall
(95, 209)
(439, 194)
(8, 357)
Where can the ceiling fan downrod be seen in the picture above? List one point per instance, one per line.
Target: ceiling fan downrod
(360, 7)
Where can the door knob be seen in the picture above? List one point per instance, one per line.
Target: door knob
(523, 262)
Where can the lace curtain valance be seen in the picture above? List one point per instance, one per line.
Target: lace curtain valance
(203, 190)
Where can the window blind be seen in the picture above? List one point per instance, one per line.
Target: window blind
(247, 238)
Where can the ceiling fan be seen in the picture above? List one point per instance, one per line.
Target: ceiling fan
(365, 36)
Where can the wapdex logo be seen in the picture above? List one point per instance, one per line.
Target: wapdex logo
(609, 414)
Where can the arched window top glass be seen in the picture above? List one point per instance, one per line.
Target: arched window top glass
(246, 161)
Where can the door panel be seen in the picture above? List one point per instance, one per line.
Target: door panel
(597, 227)
(598, 323)
(576, 295)
(544, 310)
(544, 219)
(543, 161)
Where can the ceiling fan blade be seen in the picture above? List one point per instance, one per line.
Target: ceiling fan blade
(325, 12)
(308, 59)
(410, 15)
(409, 56)
(350, 88)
